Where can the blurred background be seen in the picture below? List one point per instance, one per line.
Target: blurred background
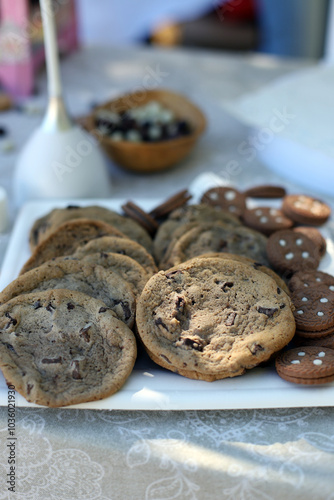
(289, 28)
(292, 28)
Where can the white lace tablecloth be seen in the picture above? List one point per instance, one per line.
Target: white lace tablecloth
(160, 455)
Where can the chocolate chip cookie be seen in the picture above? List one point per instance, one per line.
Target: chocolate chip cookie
(217, 237)
(251, 262)
(131, 272)
(67, 238)
(64, 272)
(61, 347)
(122, 246)
(188, 214)
(44, 226)
(213, 318)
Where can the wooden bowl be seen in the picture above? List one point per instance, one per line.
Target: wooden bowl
(144, 156)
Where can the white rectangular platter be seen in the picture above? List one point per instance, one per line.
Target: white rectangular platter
(152, 388)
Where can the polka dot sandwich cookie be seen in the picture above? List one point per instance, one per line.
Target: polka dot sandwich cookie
(226, 198)
(304, 209)
(309, 365)
(267, 220)
(289, 252)
(314, 311)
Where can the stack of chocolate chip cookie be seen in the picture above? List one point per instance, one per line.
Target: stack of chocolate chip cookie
(66, 321)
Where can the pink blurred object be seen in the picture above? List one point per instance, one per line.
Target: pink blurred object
(21, 42)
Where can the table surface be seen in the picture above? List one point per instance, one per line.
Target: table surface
(77, 454)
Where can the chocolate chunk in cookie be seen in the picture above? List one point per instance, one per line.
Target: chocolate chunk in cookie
(289, 252)
(306, 210)
(226, 198)
(308, 365)
(267, 220)
(71, 349)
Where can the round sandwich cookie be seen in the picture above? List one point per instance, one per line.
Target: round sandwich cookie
(226, 198)
(62, 347)
(67, 238)
(305, 210)
(309, 365)
(210, 319)
(95, 281)
(327, 341)
(302, 280)
(197, 214)
(122, 246)
(175, 201)
(141, 217)
(314, 235)
(265, 191)
(289, 252)
(218, 237)
(267, 220)
(46, 225)
(314, 309)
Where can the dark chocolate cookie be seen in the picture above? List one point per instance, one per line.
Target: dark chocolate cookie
(267, 220)
(289, 252)
(226, 198)
(314, 235)
(304, 279)
(314, 308)
(141, 217)
(305, 210)
(265, 191)
(306, 365)
(175, 201)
